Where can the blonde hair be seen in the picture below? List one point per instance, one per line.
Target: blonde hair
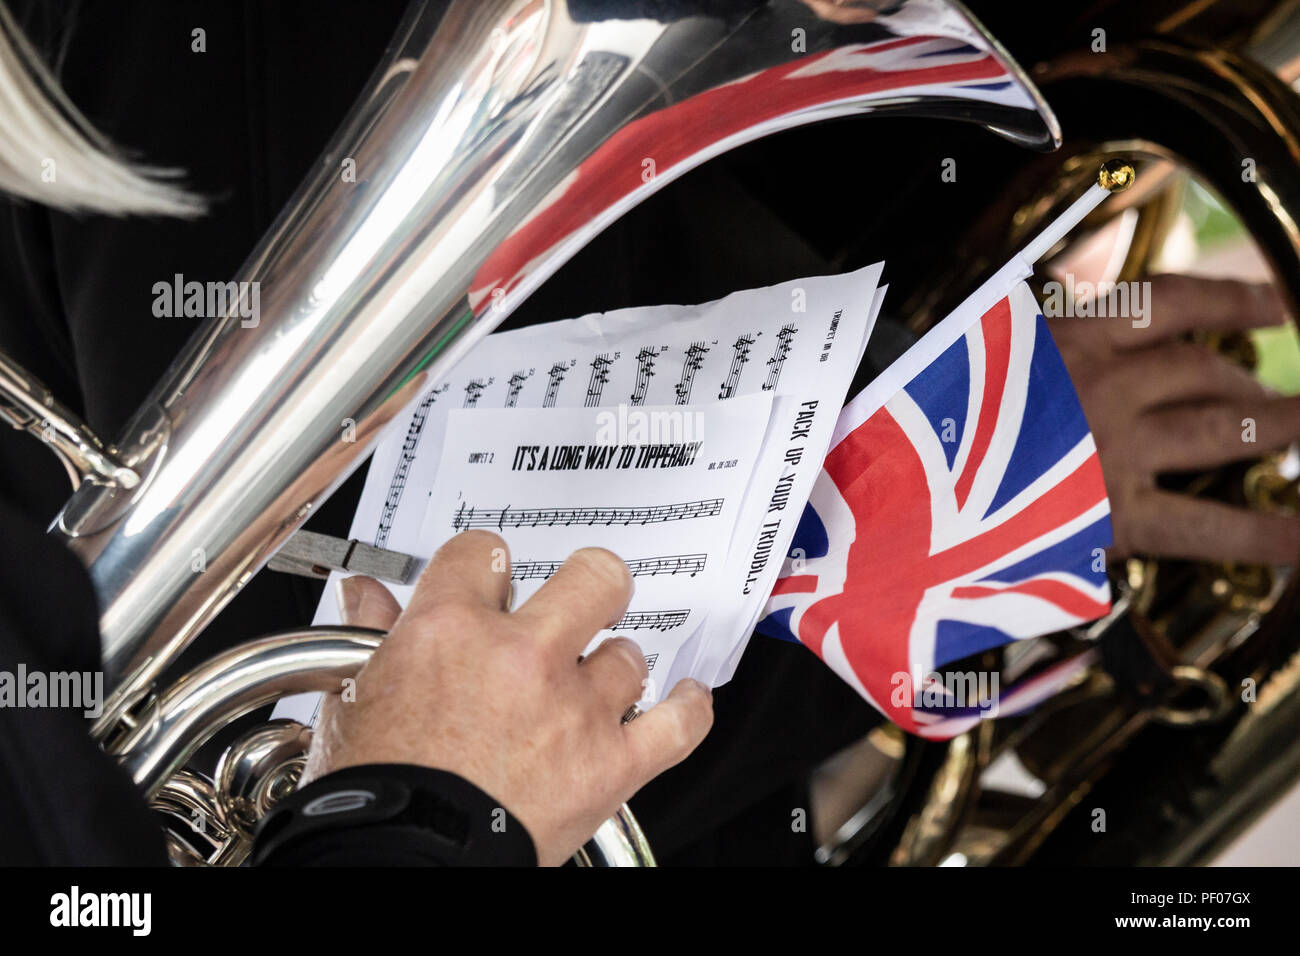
(51, 154)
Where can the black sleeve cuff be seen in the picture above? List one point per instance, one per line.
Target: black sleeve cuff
(392, 815)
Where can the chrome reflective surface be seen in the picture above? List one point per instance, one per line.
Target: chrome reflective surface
(618, 842)
(27, 404)
(488, 148)
(172, 727)
(260, 768)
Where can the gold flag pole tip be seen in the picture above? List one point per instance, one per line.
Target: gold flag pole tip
(1116, 175)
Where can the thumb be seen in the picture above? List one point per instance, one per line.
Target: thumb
(672, 728)
(364, 602)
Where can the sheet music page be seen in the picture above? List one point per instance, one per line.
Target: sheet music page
(798, 437)
(759, 340)
(798, 341)
(660, 486)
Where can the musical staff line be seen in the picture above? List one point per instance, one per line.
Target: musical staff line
(645, 370)
(739, 358)
(554, 378)
(473, 390)
(397, 484)
(467, 517)
(653, 620)
(669, 564)
(694, 359)
(784, 342)
(599, 376)
(515, 386)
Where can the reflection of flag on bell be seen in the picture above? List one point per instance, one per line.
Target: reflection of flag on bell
(964, 512)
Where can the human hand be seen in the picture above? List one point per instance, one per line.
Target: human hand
(1159, 404)
(499, 698)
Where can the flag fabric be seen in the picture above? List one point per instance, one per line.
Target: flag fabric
(965, 512)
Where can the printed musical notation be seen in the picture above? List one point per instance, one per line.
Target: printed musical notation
(515, 386)
(467, 517)
(412, 494)
(599, 376)
(784, 342)
(652, 620)
(554, 378)
(397, 484)
(473, 390)
(645, 370)
(694, 359)
(688, 564)
(739, 358)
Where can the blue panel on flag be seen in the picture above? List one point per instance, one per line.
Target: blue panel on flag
(942, 391)
(957, 639)
(777, 624)
(1073, 556)
(1053, 421)
(810, 537)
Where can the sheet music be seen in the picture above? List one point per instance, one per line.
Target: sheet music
(797, 342)
(667, 507)
(689, 564)
(798, 437)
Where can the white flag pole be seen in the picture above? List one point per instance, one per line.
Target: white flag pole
(1115, 175)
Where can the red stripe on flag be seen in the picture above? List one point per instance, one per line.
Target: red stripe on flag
(796, 584)
(1080, 490)
(893, 44)
(1068, 599)
(886, 562)
(996, 325)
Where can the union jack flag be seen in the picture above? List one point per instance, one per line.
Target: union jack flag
(965, 512)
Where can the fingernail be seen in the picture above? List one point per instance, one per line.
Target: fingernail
(348, 592)
(702, 686)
